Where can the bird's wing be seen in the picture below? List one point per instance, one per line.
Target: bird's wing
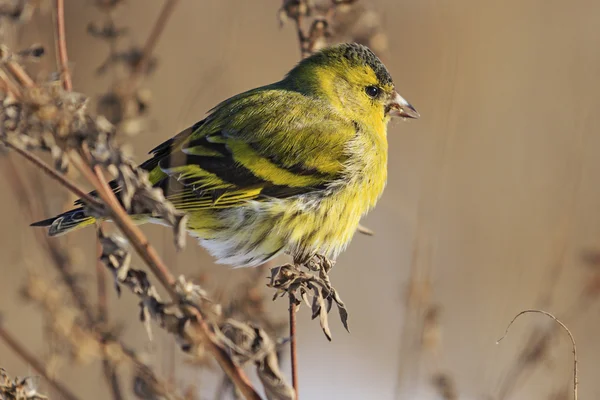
(258, 145)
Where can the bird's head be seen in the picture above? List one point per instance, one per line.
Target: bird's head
(353, 80)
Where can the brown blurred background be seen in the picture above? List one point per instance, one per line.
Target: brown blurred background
(491, 203)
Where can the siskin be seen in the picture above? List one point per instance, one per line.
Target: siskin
(288, 167)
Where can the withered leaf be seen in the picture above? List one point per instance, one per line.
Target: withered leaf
(343, 316)
(300, 286)
(249, 343)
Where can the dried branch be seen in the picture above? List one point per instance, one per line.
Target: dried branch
(110, 371)
(61, 43)
(288, 279)
(365, 231)
(79, 131)
(31, 206)
(37, 365)
(249, 305)
(200, 329)
(19, 73)
(293, 347)
(151, 42)
(60, 258)
(321, 22)
(62, 179)
(249, 343)
(8, 85)
(445, 386)
(182, 318)
(17, 11)
(299, 285)
(18, 388)
(563, 326)
(87, 342)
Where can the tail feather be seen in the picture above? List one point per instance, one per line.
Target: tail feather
(66, 222)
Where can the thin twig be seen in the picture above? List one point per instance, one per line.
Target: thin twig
(110, 373)
(36, 364)
(66, 182)
(234, 372)
(140, 243)
(301, 36)
(151, 42)
(108, 367)
(575, 378)
(293, 349)
(62, 263)
(8, 85)
(159, 27)
(20, 74)
(101, 285)
(150, 256)
(365, 231)
(79, 298)
(292, 308)
(120, 217)
(61, 43)
(30, 205)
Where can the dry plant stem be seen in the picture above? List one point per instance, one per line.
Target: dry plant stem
(55, 175)
(32, 207)
(37, 365)
(20, 74)
(108, 367)
(293, 349)
(63, 59)
(150, 44)
(110, 374)
(575, 376)
(8, 85)
(301, 38)
(144, 249)
(64, 268)
(61, 43)
(147, 252)
(160, 270)
(133, 233)
(237, 376)
(292, 309)
(101, 285)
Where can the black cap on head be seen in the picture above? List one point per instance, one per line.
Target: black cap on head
(357, 53)
(354, 53)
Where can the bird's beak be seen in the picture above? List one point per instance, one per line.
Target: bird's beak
(398, 107)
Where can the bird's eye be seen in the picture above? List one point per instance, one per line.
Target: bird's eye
(372, 91)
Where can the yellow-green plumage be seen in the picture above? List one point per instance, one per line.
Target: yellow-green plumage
(291, 166)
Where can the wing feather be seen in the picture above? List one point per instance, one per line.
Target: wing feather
(255, 146)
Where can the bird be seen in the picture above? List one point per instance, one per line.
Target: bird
(290, 167)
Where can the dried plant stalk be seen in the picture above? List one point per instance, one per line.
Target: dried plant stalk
(566, 329)
(78, 120)
(37, 365)
(18, 388)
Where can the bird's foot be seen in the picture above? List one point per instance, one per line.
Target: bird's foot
(300, 285)
(322, 265)
(319, 263)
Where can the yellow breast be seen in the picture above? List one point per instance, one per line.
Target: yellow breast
(325, 225)
(322, 222)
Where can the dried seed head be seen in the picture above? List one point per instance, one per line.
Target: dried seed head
(248, 343)
(289, 279)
